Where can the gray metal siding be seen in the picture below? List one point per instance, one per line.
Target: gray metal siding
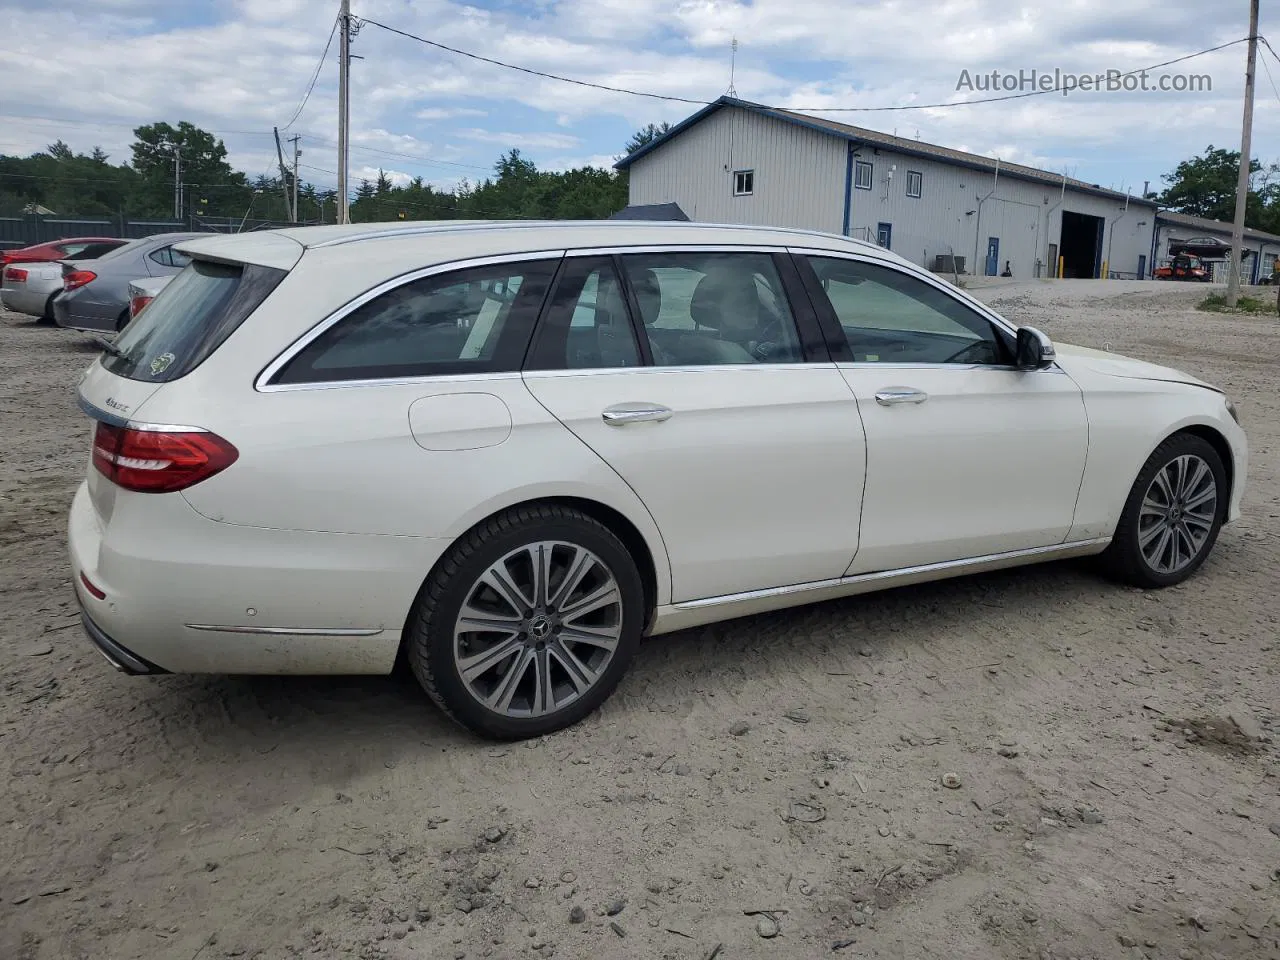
(800, 182)
(799, 173)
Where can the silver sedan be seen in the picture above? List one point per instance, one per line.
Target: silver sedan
(95, 293)
(31, 287)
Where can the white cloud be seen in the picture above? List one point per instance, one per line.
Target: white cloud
(554, 141)
(238, 68)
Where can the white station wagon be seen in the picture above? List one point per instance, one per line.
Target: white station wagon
(503, 453)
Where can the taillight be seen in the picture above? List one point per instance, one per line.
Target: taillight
(78, 278)
(15, 274)
(158, 461)
(137, 303)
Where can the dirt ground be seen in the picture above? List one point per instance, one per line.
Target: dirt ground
(1116, 752)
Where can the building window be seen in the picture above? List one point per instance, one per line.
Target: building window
(862, 175)
(744, 183)
(915, 181)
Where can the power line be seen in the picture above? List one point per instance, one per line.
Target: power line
(531, 72)
(1267, 70)
(825, 109)
(314, 76)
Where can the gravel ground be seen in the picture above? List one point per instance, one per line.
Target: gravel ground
(769, 787)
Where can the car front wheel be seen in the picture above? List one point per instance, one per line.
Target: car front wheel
(1172, 517)
(529, 622)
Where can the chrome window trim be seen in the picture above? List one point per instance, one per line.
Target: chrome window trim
(698, 368)
(262, 383)
(911, 270)
(904, 365)
(677, 248)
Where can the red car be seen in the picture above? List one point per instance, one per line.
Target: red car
(60, 250)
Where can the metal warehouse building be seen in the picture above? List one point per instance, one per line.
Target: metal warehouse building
(1175, 231)
(740, 162)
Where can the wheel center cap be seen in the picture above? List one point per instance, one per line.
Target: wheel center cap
(540, 627)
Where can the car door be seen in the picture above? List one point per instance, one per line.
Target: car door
(967, 456)
(691, 375)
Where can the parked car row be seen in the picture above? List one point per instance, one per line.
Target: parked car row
(84, 283)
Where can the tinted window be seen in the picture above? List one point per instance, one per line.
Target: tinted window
(892, 317)
(469, 321)
(169, 257)
(587, 323)
(189, 319)
(92, 251)
(124, 249)
(713, 308)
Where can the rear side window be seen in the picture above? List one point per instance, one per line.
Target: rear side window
(189, 319)
(469, 321)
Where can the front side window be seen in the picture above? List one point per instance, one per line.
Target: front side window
(915, 183)
(469, 321)
(713, 308)
(889, 316)
(744, 183)
(862, 175)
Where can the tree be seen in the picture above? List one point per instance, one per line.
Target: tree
(646, 135)
(60, 151)
(204, 166)
(1205, 186)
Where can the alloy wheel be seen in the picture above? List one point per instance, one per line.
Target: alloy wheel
(1177, 514)
(538, 629)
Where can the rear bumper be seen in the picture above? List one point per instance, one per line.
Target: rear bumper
(68, 313)
(24, 301)
(120, 657)
(185, 594)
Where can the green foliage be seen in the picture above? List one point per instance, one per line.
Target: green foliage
(89, 184)
(1217, 303)
(646, 135)
(1205, 186)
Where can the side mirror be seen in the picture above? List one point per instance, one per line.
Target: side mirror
(1035, 350)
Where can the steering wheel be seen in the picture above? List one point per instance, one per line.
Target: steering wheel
(980, 347)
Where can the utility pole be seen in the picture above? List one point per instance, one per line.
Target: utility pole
(296, 154)
(1246, 136)
(284, 174)
(344, 104)
(177, 182)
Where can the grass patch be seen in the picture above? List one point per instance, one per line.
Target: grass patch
(1217, 303)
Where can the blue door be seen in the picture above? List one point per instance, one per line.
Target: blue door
(884, 234)
(993, 256)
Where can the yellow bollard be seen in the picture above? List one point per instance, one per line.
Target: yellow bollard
(1062, 263)
(1106, 274)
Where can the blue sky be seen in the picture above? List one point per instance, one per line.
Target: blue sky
(87, 73)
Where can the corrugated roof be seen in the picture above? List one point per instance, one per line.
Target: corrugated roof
(888, 141)
(1212, 226)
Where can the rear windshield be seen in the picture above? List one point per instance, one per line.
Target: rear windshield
(189, 319)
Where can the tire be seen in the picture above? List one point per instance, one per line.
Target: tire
(122, 321)
(1140, 532)
(532, 639)
(47, 316)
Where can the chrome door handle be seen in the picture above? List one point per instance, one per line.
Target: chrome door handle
(623, 413)
(891, 395)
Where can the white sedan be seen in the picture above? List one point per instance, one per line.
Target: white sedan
(503, 453)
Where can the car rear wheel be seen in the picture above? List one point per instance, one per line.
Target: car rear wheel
(1173, 515)
(47, 315)
(529, 622)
